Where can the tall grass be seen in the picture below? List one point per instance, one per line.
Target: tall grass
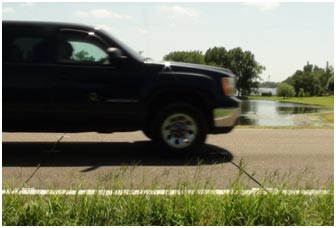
(185, 209)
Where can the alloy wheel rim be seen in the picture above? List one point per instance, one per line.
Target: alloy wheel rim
(179, 130)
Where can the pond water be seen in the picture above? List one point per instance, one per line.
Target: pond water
(274, 113)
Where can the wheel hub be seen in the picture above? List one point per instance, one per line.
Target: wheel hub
(179, 130)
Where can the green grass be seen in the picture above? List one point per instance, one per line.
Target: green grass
(261, 208)
(221, 113)
(273, 209)
(325, 101)
(327, 117)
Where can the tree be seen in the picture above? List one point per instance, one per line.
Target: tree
(312, 79)
(285, 90)
(83, 56)
(241, 63)
(301, 93)
(331, 84)
(217, 56)
(185, 56)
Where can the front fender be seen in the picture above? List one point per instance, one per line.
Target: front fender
(182, 81)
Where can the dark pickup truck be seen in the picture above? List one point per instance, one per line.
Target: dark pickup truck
(62, 77)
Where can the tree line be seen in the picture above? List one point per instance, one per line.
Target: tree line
(310, 81)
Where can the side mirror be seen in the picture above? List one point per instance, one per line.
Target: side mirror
(115, 54)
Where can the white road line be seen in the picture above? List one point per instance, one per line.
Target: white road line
(33, 191)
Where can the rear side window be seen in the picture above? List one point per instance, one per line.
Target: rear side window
(25, 48)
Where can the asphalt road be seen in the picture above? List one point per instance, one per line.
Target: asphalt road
(297, 157)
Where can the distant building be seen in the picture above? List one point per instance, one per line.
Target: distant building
(266, 91)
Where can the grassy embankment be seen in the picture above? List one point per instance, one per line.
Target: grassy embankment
(185, 209)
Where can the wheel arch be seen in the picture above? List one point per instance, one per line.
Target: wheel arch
(197, 98)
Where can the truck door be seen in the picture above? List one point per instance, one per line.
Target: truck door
(87, 87)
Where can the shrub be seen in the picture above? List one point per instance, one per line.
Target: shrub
(285, 90)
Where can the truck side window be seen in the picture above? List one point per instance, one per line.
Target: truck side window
(28, 50)
(80, 48)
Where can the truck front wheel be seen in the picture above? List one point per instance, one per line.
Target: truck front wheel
(179, 127)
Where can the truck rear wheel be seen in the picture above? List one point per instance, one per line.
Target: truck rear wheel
(179, 128)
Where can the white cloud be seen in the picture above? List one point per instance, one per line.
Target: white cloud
(178, 10)
(102, 13)
(142, 31)
(82, 13)
(264, 6)
(27, 4)
(8, 10)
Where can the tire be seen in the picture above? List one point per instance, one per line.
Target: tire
(179, 128)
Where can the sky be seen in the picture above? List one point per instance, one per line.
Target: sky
(283, 36)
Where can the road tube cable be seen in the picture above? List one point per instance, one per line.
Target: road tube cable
(42, 161)
(241, 169)
(250, 176)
